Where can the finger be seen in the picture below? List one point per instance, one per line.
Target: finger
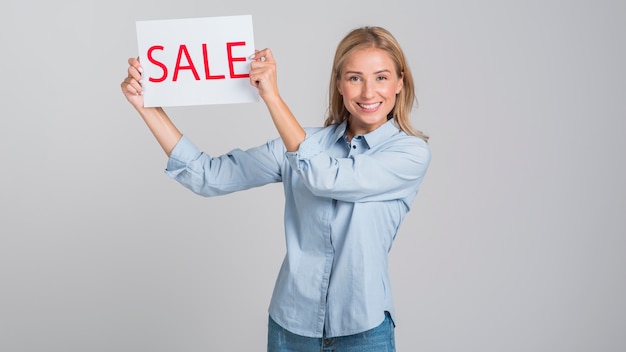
(134, 73)
(136, 65)
(267, 55)
(261, 55)
(134, 61)
(132, 86)
(256, 57)
(127, 88)
(137, 86)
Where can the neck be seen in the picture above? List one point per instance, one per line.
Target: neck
(352, 130)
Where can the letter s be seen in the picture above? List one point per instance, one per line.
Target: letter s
(157, 63)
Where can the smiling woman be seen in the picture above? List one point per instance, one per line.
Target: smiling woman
(348, 187)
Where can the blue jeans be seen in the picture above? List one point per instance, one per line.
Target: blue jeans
(378, 339)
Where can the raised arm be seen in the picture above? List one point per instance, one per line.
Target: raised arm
(156, 119)
(263, 77)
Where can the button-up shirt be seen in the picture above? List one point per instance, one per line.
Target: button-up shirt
(345, 201)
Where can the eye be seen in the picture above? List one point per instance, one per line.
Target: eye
(354, 78)
(382, 78)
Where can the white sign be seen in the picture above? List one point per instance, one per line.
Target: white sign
(196, 61)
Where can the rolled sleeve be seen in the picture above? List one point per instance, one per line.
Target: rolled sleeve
(184, 152)
(308, 149)
(234, 171)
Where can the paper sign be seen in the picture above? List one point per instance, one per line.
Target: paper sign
(196, 61)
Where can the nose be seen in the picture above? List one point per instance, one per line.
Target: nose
(367, 90)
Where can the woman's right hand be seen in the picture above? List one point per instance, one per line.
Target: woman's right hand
(131, 85)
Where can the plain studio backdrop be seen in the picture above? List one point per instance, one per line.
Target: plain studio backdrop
(516, 242)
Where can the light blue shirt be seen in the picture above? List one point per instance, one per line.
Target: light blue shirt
(344, 203)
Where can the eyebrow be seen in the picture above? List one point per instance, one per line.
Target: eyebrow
(360, 73)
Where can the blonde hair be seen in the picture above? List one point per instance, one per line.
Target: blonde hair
(380, 38)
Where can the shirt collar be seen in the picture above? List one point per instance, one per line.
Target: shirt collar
(373, 138)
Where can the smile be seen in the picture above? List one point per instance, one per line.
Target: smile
(369, 106)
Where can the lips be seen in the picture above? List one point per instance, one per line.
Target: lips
(373, 106)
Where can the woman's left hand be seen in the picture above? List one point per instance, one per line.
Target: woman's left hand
(263, 74)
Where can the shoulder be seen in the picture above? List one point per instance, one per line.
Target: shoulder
(404, 143)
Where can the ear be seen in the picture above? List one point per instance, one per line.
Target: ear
(400, 84)
(339, 88)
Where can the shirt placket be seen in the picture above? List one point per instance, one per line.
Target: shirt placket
(356, 145)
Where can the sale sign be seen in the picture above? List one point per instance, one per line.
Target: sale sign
(196, 61)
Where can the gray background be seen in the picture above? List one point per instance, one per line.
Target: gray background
(517, 241)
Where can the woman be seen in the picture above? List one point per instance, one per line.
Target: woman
(348, 186)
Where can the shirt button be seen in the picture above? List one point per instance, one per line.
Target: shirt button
(354, 147)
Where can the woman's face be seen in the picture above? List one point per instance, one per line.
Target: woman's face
(368, 84)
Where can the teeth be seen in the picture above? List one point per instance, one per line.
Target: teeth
(369, 106)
